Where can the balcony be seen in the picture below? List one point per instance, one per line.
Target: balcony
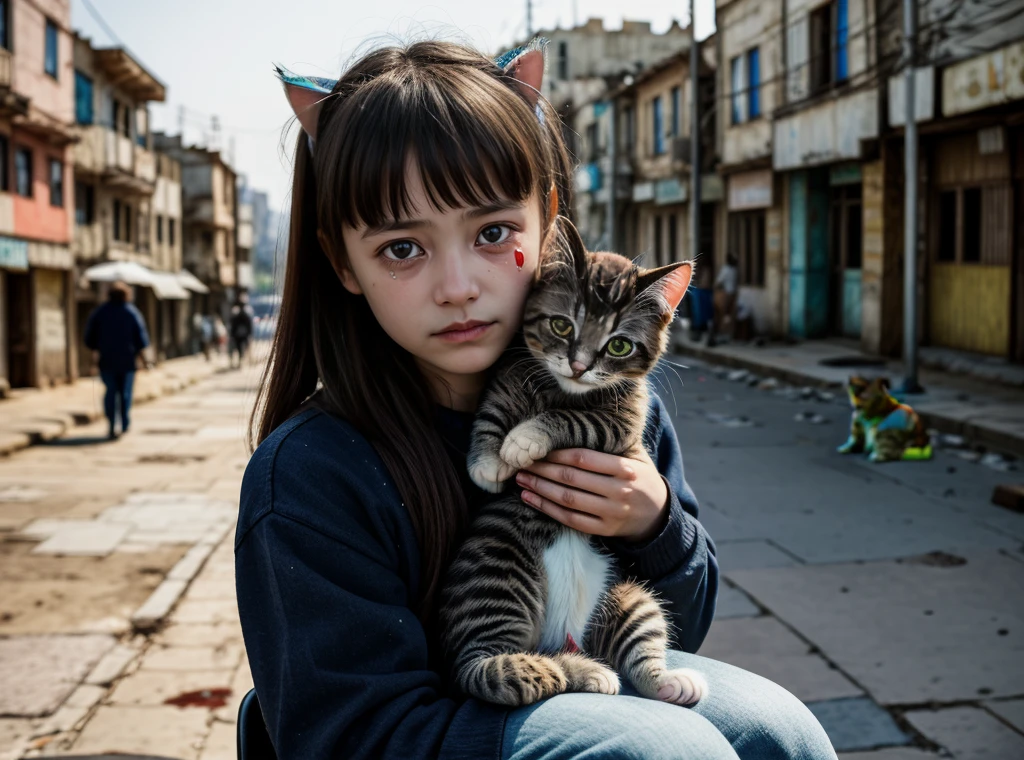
(121, 163)
(10, 102)
(203, 210)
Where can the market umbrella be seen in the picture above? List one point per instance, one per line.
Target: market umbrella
(125, 271)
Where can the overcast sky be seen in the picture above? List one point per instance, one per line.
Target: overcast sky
(215, 56)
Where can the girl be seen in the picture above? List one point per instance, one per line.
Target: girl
(420, 175)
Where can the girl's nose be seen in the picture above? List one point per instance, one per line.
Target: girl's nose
(457, 285)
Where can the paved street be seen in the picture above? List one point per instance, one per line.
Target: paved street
(887, 597)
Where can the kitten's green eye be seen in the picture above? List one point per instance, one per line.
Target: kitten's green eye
(619, 347)
(561, 327)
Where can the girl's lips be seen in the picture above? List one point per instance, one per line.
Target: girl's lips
(466, 335)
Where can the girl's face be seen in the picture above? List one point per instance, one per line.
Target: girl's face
(445, 285)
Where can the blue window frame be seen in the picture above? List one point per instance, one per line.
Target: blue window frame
(23, 172)
(659, 126)
(753, 83)
(50, 59)
(842, 40)
(736, 77)
(675, 112)
(5, 30)
(83, 99)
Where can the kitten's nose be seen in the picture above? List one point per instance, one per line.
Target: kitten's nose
(578, 368)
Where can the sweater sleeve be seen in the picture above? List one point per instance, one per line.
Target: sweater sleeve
(679, 563)
(338, 658)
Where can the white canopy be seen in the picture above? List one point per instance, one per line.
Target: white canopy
(125, 271)
(166, 286)
(190, 282)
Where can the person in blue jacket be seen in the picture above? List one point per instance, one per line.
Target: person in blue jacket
(117, 332)
(417, 176)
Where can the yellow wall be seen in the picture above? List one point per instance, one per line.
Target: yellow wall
(970, 307)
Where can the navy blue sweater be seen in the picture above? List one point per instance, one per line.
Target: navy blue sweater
(118, 332)
(327, 570)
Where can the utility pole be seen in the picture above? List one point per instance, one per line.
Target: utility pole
(910, 384)
(529, 19)
(694, 136)
(613, 161)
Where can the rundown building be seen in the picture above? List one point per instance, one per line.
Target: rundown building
(209, 219)
(245, 237)
(652, 132)
(172, 336)
(750, 89)
(37, 322)
(116, 183)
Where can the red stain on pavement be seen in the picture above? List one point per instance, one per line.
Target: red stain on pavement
(211, 698)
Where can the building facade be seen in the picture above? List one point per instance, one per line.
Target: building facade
(37, 324)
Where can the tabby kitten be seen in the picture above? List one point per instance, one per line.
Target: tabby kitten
(524, 588)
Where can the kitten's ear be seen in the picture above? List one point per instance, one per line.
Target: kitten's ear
(672, 280)
(526, 65)
(306, 96)
(572, 244)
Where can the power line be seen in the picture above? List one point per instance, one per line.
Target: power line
(102, 22)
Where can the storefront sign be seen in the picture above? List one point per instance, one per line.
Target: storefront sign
(13, 253)
(669, 191)
(984, 81)
(750, 190)
(825, 133)
(643, 191)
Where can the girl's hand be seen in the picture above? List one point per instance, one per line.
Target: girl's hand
(600, 494)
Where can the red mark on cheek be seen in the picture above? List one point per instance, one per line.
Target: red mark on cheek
(520, 259)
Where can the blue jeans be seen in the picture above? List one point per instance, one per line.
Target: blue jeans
(119, 388)
(743, 716)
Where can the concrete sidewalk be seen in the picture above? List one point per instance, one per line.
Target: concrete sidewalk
(29, 415)
(987, 413)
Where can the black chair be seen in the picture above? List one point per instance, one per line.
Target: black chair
(253, 739)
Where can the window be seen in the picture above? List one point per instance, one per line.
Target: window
(753, 83)
(127, 223)
(23, 172)
(736, 77)
(5, 29)
(126, 121)
(563, 60)
(5, 164)
(675, 112)
(50, 59)
(829, 45)
(83, 98)
(56, 183)
(630, 126)
(85, 204)
(117, 219)
(657, 119)
(673, 238)
(972, 225)
(170, 231)
(159, 228)
(747, 243)
(947, 226)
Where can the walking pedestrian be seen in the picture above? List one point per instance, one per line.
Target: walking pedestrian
(426, 185)
(726, 291)
(116, 332)
(240, 327)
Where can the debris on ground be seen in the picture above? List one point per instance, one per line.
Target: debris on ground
(812, 417)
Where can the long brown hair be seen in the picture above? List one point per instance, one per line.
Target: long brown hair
(475, 139)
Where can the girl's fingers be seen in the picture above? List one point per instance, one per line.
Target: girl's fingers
(571, 518)
(564, 496)
(595, 461)
(581, 480)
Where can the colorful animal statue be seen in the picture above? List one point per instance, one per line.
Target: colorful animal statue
(881, 426)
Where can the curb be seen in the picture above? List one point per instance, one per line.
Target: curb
(52, 425)
(986, 436)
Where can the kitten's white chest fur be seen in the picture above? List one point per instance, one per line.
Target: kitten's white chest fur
(578, 574)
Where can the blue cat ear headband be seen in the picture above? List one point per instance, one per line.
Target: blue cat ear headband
(525, 64)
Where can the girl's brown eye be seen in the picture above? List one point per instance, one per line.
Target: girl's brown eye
(493, 234)
(402, 249)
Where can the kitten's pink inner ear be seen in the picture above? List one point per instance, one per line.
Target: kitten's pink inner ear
(528, 71)
(674, 285)
(306, 104)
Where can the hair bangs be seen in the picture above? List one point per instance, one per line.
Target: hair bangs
(455, 129)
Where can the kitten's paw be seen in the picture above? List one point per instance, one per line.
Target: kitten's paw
(490, 473)
(598, 680)
(525, 444)
(682, 687)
